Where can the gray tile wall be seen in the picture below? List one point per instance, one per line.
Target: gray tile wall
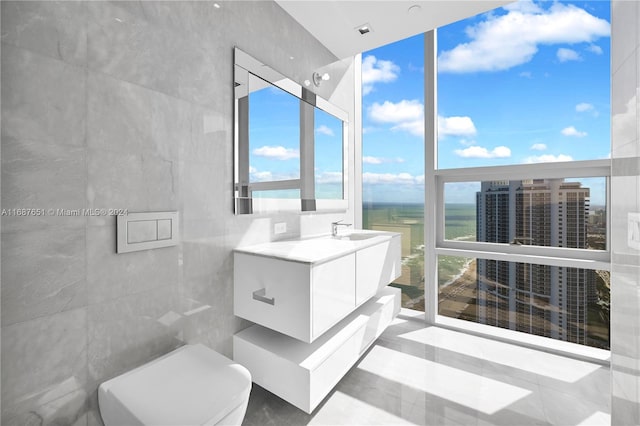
(127, 105)
(625, 198)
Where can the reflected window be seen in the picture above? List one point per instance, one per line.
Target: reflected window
(274, 134)
(329, 156)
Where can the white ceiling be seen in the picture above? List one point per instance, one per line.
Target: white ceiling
(334, 22)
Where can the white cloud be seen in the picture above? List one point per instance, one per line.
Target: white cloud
(392, 178)
(381, 160)
(548, 158)
(259, 176)
(594, 48)
(526, 74)
(572, 131)
(538, 147)
(482, 152)
(505, 41)
(407, 115)
(277, 152)
(524, 6)
(377, 71)
(587, 107)
(267, 176)
(324, 130)
(415, 127)
(456, 126)
(329, 177)
(583, 107)
(624, 123)
(403, 111)
(262, 176)
(371, 160)
(566, 55)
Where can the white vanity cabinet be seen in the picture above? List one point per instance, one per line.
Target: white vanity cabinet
(301, 300)
(302, 288)
(318, 304)
(376, 266)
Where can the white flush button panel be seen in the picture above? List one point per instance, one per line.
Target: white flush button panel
(145, 231)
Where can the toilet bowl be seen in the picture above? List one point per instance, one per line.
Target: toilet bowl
(191, 386)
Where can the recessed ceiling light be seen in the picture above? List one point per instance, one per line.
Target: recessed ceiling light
(364, 29)
(216, 5)
(416, 8)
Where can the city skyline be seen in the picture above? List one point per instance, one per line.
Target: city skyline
(550, 301)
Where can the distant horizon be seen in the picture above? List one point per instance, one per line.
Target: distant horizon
(409, 203)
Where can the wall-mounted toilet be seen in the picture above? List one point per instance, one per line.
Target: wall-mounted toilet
(191, 386)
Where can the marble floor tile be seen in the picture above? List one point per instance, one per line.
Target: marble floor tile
(415, 374)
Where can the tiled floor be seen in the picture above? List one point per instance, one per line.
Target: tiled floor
(432, 376)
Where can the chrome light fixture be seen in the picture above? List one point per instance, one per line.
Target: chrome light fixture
(319, 78)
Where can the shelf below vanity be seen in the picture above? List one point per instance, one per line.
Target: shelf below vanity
(303, 374)
(318, 304)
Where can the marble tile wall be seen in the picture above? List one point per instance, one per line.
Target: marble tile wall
(126, 105)
(625, 199)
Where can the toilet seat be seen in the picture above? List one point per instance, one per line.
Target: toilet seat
(190, 386)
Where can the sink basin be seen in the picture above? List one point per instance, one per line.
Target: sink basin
(319, 249)
(357, 236)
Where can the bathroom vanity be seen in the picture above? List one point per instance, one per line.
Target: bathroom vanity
(318, 304)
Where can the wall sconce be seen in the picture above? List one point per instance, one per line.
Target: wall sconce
(319, 78)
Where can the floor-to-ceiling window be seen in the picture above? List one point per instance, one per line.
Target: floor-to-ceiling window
(393, 154)
(522, 173)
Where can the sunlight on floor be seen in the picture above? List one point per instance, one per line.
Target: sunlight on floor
(464, 388)
(597, 419)
(416, 374)
(342, 408)
(531, 360)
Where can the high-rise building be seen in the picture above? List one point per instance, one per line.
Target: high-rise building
(545, 300)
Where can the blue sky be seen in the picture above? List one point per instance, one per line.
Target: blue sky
(527, 83)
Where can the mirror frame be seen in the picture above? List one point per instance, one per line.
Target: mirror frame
(244, 64)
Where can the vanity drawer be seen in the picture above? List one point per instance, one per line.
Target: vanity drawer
(372, 274)
(275, 293)
(304, 287)
(334, 292)
(301, 300)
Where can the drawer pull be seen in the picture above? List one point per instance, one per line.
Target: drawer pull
(259, 295)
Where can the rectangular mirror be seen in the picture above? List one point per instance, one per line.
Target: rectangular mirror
(290, 145)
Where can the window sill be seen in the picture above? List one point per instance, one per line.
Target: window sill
(544, 344)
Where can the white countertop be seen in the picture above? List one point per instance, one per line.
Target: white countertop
(321, 248)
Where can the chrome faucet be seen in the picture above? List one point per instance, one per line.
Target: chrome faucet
(334, 227)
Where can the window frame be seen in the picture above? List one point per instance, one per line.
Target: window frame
(543, 255)
(436, 245)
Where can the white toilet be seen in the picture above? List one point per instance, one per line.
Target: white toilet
(191, 386)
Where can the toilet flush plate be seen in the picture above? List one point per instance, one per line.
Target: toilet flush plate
(146, 230)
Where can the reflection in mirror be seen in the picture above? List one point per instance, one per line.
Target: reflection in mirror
(274, 135)
(290, 145)
(329, 156)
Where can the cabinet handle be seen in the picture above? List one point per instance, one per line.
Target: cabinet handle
(259, 295)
